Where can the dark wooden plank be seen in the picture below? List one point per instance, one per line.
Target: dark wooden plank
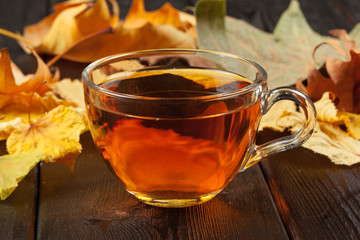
(18, 212)
(90, 203)
(330, 14)
(321, 15)
(262, 14)
(14, 16)
(316, 199)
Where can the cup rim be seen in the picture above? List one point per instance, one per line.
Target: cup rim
(260, 78)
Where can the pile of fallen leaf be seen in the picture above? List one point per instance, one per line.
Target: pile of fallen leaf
(42, 116)
(38, 120)
(77, 26)
(327, 68)
(335, 88)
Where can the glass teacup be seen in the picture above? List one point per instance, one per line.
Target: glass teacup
(176, 126)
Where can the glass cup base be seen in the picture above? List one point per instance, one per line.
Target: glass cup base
(173, 202)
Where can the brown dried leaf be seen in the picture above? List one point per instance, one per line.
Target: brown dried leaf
(342, 75)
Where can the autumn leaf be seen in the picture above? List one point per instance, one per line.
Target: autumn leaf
(87, 25)
(328, 112)
(19, 109)
(56, 135)
(22, 96)
(283, 54)
(329, 138)
(13, 168)
(147, 36)
(167, 14)
(72, 21)
(340, 75)
(13, 81)
(32, 135)
(70, 90)
(352, 123)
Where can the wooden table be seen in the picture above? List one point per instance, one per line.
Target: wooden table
(293, 195)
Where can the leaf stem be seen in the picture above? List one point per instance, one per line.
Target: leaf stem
(15, 36)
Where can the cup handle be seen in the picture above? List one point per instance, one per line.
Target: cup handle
(294, 140)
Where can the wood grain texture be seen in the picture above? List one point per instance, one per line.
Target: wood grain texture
(242, 211)
(14, 16)
(90, 203)
(262, 14)
(18, 211)
(330, 14)
(316, 199)
(322, 16)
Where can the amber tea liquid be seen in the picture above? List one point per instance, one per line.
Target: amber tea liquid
(174, 151)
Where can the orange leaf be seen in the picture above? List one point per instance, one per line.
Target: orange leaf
(31, 83)
(125, 39)
(83, 31)
(167, 14)
(342, 77)
(70, 22)
(7, 80)
(35, 33)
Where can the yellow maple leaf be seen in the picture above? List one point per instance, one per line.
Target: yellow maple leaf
(342, 147)
(23, 107)
(14, 167)
(56, 134)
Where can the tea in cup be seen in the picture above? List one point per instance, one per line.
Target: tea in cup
(175, 126)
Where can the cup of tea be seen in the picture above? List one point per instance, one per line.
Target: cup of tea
(175, 126)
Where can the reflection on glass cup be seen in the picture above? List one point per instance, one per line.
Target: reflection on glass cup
(176, 126)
